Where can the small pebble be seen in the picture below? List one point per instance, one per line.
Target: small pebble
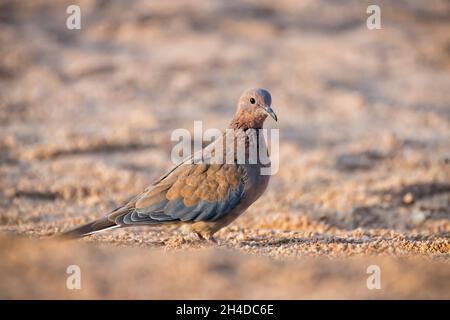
(408, 198)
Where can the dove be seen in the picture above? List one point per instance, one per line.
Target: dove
(202, 196)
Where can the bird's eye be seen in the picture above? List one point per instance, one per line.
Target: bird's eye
(252, 100)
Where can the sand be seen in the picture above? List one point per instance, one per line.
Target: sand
(364, 118)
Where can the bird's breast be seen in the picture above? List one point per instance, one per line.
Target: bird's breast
(256, 182)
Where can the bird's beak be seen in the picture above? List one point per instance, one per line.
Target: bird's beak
(269, 110)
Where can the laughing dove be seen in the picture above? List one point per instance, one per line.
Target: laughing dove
(208, 195)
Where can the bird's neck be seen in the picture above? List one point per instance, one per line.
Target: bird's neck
(244, 120)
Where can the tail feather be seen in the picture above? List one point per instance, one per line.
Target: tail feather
(102, 224)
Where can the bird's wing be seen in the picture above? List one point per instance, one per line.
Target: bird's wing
(190, 192)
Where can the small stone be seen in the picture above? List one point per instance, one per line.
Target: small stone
(418, 217)
(408, 198)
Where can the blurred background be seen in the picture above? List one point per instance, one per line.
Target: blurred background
(364, 118)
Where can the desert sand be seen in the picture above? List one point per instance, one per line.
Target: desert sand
(364, 118)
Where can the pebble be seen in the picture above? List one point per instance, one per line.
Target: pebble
(408, 198)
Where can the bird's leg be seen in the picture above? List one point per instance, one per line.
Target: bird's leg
(212, 239)
(200, 236)
(208, 238)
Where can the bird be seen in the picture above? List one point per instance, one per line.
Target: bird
(203, 196)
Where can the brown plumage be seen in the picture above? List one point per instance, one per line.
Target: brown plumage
(204, 196)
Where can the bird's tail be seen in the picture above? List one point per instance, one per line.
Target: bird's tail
(99, 225)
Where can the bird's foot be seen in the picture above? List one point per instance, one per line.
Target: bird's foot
(200, 236)
(212, 239)
(208, 238)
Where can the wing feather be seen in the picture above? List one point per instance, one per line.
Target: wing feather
(190, 192)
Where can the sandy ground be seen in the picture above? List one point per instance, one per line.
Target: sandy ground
(364, 118)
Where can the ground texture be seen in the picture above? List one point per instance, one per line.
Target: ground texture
(364, 118)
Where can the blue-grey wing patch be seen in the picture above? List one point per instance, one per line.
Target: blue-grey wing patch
(198, 193)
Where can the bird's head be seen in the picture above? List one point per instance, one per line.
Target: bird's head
(253, 107)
